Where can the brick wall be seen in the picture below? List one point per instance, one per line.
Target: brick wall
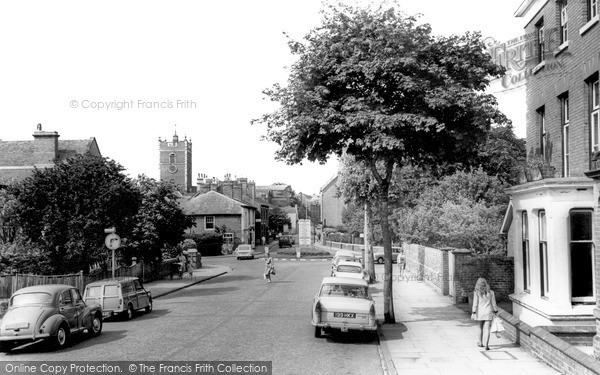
(433, 267)
(547, 347)
(564, 72)
(232, 222)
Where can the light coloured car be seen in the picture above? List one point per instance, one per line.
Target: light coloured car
(351, 269)
(50, 313)
(378, 255)
(121, 296)
(244, 251)
(345, 255)
(343, 304)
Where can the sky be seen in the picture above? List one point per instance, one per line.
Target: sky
(130, 72)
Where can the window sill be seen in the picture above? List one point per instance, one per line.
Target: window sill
(584, 29)
(539, 67)
(561, 48)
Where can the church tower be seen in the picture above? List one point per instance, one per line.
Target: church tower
(176, 162)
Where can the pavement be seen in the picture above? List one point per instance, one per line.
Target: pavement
(433, 336)
(160, 288)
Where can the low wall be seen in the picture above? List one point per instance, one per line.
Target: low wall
(454, 272)
(548, 348)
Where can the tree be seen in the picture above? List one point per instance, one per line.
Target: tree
(463, 210)
(64, 210)
(376, 85)
(159, 222)
(503, 154)
(277, 219)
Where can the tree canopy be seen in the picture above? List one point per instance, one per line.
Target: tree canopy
(61, 213)
(375, 84)
(277, 219)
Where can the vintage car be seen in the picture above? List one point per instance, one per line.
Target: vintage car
(378, 255)
(345, 255)
(47, 312)
(121, 296)
(343, 304)
(351, 269)
(286, 241)
(244, 251)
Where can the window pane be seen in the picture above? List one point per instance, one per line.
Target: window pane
(543, 225)
(581, 226)
(581, 270)
(525, 228)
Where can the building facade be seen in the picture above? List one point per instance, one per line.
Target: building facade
(552, 223)
(175, 162)
(332, 206)
(18, 159)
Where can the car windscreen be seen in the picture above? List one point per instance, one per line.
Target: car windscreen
(341, 290)
(27, 299)
(349, 269)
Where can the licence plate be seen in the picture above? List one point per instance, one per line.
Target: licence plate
(344, 315)
(20, 325)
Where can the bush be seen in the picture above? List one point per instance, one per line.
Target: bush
(208, 244)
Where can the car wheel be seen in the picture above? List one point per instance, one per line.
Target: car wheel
(149, 307)
(380, 260)
(238, 258)
(62, 334)
(96, 327)
(318, 332)
(129, 313)
(5, 347)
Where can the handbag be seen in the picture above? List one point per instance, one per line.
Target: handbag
(273, 271)
(497, 326)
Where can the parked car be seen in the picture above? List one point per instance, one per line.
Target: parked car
(347, 255)
(244, 251)
(48, 312)
(378, 255)
(286, 241)
(343, 304)
(121, 296)
(347, 268)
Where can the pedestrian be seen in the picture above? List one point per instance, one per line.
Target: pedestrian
(269, 268)
(484, 310)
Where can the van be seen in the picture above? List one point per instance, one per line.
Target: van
(121, 296)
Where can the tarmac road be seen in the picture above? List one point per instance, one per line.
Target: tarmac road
(233, 317)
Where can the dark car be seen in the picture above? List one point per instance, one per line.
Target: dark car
(286, 241)
(47, 312)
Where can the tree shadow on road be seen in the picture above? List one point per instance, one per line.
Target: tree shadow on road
(198, 292)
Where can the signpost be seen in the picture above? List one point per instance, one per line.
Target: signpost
(112, 242)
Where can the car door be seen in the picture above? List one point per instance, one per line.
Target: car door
(129, 295)
(79, 306)
(67, 309)
(142, 295)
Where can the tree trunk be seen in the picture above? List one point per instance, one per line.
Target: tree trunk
(369, 261)
(388, 298)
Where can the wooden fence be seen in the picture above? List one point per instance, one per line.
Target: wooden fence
(11, 283)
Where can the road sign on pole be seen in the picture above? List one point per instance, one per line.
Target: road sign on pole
(112, 242)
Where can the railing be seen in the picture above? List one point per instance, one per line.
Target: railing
(355, 246)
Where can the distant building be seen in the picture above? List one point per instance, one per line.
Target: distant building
(292, 213)
(279, 195)
(175, 163)
(211, 210)
(332, 206)
(18, 159)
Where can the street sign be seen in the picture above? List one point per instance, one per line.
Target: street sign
(112, 241)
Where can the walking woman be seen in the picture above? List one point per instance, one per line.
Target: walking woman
(269, 267)
(484, 309)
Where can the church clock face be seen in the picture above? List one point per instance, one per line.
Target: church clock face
(172, 168)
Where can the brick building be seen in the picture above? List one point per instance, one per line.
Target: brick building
(175, 162)
(552, 222)
(19, 158)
